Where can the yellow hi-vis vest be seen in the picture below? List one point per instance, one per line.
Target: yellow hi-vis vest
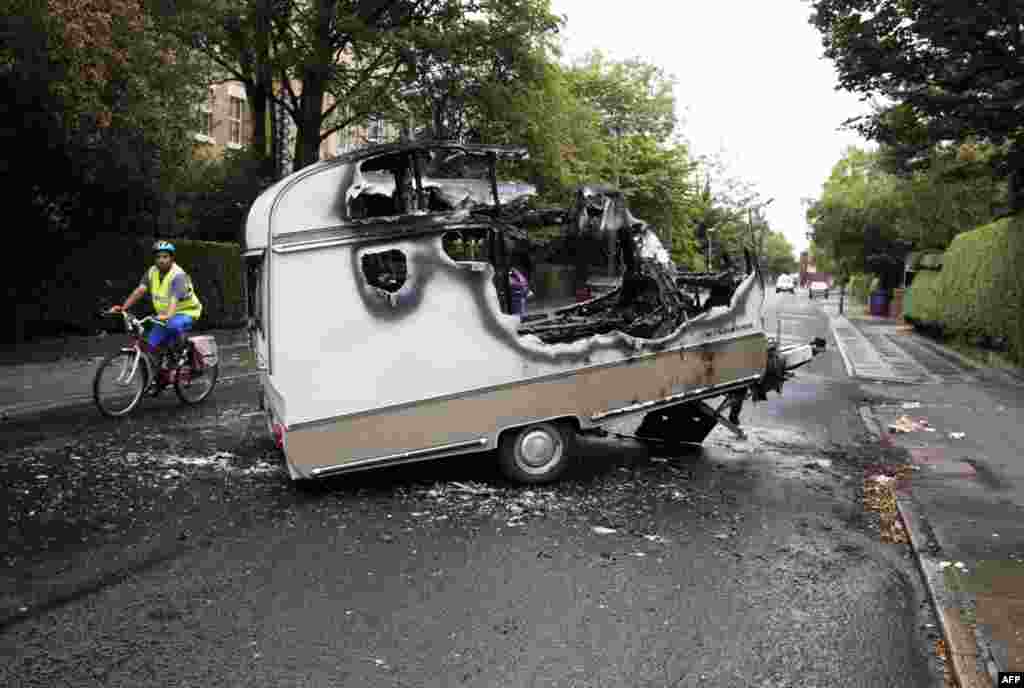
(160, 289)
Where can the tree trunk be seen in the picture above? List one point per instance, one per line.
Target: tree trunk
(307, 139)
(314, 84)
(258, 100)
(263, 87)
(1016, 189)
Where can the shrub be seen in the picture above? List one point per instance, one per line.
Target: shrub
(105, 271)
(923, 303)
(982, 285)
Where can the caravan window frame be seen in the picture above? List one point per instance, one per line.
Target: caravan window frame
(255, 276)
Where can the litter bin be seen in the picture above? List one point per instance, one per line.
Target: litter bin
(879, 303)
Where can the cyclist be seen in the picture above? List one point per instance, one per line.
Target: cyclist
(174, 298)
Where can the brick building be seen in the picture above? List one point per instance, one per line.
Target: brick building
(227, 125)
(809, 271)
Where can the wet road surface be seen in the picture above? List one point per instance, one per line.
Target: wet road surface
(170, 550)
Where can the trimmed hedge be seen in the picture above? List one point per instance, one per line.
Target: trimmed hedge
(925, 260)
(979, 293)
(106, 271)
(922, 301)
(931, 261)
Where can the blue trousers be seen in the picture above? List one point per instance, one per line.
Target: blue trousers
(173, 330)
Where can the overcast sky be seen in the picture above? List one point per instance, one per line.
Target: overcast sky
(751, 84)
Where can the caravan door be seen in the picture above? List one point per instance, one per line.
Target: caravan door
(256, 291)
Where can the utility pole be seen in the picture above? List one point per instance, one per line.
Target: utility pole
(764, 231)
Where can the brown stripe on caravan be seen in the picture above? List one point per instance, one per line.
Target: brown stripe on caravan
(391, 433)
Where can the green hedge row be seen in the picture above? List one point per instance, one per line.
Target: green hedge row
(105, 272)
(979, 292)
(921, 303)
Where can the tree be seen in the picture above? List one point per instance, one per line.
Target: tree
(632, 99)
(96, 109)
(952, 71)
(927, 207)
(778, 258)
(237, 37)
(331, 63)
(563, 135)
(110, 98)
(470, 61)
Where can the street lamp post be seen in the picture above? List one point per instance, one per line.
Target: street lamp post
(708, 257)
(760, 248)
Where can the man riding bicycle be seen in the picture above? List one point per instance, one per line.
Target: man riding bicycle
(174, 299)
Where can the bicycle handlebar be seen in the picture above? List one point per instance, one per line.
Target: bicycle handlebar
(129, 318)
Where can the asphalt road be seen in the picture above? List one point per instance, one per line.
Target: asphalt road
(169, 549)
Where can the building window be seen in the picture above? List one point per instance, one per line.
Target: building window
(236, 108)
(205, 133)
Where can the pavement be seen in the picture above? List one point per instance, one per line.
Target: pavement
(56, 373)
(963, 506)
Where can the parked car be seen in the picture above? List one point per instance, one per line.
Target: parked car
(818, 288)
(785, 283)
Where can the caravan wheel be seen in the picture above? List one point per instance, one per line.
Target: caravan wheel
(537, 453)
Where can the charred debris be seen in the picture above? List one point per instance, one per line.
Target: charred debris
(459, 187)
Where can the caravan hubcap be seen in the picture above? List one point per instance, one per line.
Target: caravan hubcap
(537, 448)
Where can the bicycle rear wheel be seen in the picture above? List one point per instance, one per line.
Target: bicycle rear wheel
(119, 383)
(193, 385)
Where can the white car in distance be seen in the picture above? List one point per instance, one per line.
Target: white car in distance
(785, 283)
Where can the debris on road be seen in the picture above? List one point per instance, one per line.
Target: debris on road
(957, 435)
(880, 497)
(905, 424)
(601, 530)
(472, 488)
(912, 405)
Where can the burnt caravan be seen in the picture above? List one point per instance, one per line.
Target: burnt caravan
(381, 339)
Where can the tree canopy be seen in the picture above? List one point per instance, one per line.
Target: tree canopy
(98, 109)
(864, 207)
(950, 71)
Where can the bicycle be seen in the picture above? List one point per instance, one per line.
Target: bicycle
(139, 369)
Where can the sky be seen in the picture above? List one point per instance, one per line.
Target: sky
(752, 87)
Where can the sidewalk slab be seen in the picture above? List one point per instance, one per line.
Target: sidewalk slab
(84, 348)
(968, 494)
(859, 354)
(32, 387)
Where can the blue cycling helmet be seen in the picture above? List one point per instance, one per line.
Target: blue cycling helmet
(163, 247)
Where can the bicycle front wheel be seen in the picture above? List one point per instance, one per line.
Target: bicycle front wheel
(119, 384)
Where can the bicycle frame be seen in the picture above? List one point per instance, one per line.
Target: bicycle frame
(139, 347)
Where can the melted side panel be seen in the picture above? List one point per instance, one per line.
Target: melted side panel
(342, 346)
(485, 413)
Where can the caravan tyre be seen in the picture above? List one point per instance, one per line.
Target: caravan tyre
(537, 453)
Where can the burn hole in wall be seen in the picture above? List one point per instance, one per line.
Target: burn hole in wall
(385, 270)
